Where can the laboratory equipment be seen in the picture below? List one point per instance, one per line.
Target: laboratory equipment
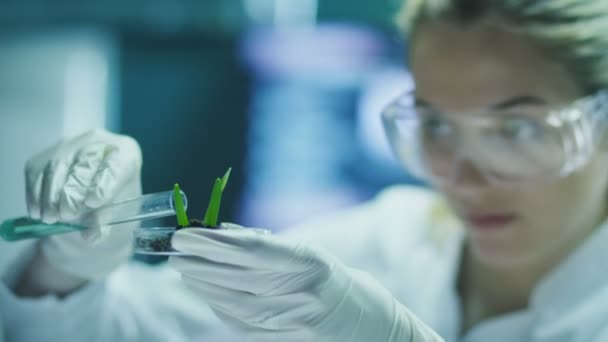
(145, 207)
(157, 240)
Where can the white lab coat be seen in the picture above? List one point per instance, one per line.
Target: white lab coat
(404, 238)
(136, 303)
(408, 241)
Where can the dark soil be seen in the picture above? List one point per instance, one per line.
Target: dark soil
(154, 244)
(196, 223)
(163, 243)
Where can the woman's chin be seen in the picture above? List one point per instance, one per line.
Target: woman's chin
(506, 252)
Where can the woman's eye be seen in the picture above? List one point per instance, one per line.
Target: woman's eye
(435, 127)
(519, 129)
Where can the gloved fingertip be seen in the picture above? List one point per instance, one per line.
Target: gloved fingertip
(94, 201)
(228, 225)
(184, 232)
(87, 236)
(242, 230)
(175, 262)
(67, 215)
(35, 214)
(104, 185)
(92, 236)
(70, 205)
(49, 218)
(104, 232)
(187, 240)
(180, 239)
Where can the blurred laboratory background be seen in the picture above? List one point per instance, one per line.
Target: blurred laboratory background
(286, 92)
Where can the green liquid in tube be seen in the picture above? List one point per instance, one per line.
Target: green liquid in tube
(26, 228)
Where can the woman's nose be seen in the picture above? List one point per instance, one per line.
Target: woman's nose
(467, 179)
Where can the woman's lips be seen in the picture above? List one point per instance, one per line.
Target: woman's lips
(490, 221)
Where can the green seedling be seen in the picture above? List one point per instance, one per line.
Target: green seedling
(160, 244)
(213, 210)
(180, 210)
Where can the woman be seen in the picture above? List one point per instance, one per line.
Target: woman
(507, 123)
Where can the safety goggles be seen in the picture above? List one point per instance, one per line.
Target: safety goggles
(506, 148)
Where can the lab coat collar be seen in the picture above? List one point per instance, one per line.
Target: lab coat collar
(574, 282)
(569, 300)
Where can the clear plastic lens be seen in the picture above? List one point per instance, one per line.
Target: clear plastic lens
(506, 149)
(504, 159)
(515, 159)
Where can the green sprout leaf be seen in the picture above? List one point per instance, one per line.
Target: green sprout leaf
(180, 210)
(225, 178)
(213, 210)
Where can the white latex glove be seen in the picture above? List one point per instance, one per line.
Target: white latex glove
(72, 177)
(272, 290)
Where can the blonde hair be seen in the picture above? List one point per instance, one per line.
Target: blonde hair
(575, 32)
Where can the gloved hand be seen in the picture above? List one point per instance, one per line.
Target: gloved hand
(72, 177)
(272, 290)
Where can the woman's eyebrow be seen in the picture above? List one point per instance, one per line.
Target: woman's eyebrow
(523, 100)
